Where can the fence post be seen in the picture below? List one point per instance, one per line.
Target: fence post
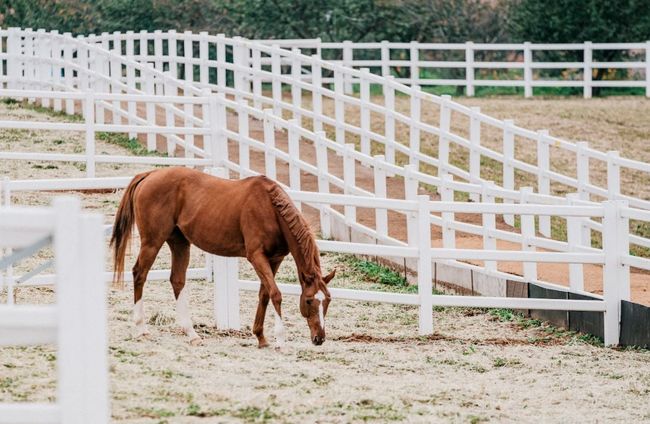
(364, 110)
(296, 79)
(469, 68)
(150, 108)
(443, 140)
(5, 199)
(221, 61)
(69, 298)
(528, 70)
(256, 74)
(647, 68)
(414, 56)
(424, 266)
(69, 80)
(42, 70)
(414, 129)
(339, 106)
(158, 56)
(379, 178)
(269, 142)
(188, 55)
(96, 404)
(218, 127)
(244, 134)
(350, 181)
(323, 182)
(447, 195)
(204, 75)
(616, 281)
(385, 59)
(13, 59)
(225, 274)
(347, 62)
(613, 175)
(276, 84)
(574, 240)
(489, 223)
(508, 167)
(582, 176)
(316, 96)
(89, 120)
(172, 53)
(527, 234)
(411, 193)
(543, 180)
(389, 125)
(170, 122)
(294, 155)
(474, 154)
(588, 58)
(115, 69)
(56, 74)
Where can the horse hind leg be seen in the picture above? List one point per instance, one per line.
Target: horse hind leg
(180, 248)
(143, 264)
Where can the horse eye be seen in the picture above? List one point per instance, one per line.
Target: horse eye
(309, 301)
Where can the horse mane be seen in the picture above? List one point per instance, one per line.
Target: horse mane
(296, 224)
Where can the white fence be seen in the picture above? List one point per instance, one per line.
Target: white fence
(240, 95)
(418, 248)
(76, 323)
(470, 65)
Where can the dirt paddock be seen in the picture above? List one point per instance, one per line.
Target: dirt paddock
(479, 366)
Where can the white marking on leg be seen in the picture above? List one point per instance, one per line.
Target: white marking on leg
(183, 314)
(138, 318)
(320, 296)
(279, 331)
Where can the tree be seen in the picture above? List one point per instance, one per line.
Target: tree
(571, 21)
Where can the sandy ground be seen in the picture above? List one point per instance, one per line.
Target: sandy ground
(613, 123)
(373, 367)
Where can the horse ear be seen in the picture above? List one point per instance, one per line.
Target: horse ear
(329, 276)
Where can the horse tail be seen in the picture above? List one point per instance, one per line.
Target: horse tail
(122, 229)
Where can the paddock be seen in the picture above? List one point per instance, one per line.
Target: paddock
(395, 193)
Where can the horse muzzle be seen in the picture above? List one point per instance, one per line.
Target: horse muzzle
(318, 340)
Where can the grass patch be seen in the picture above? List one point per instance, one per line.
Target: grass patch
(123, 140)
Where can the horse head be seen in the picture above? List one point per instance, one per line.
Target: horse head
(314, 301)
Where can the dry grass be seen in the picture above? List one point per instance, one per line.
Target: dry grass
(372, 368)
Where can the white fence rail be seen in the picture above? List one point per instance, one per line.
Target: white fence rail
(76, 323)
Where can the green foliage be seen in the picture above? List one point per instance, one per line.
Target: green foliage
(569, 21)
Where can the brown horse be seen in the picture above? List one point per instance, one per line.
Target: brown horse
(252, 218)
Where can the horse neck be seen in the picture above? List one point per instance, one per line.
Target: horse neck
(304, 263)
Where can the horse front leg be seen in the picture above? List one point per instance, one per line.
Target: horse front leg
(266, 270)
(258, 326)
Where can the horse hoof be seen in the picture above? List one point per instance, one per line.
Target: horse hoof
(196, 341)
(263, 344)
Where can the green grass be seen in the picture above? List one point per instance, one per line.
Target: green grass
(122, 140)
